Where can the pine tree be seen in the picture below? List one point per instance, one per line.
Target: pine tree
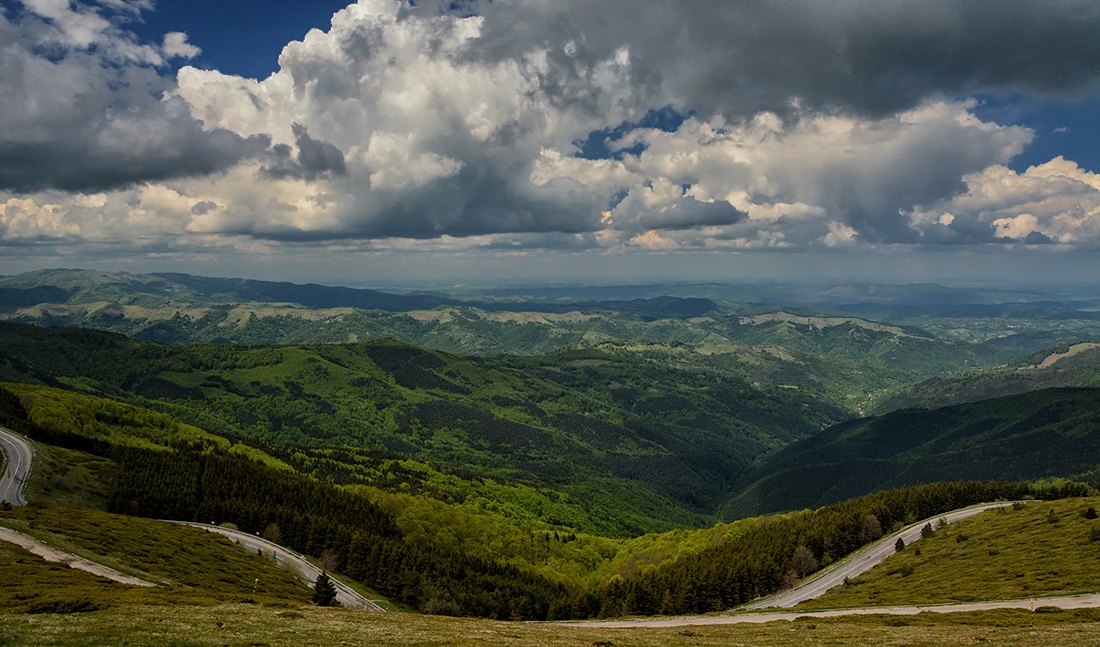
(324, 591)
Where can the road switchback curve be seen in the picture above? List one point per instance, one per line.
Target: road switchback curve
(17, 468)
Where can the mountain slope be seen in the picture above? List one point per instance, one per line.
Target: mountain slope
(1017, 552)
(172, 308)
(1048, 433)
(1069, 365)
(655, 440)
(190, 566)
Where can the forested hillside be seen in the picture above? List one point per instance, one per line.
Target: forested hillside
(1043, 434)
(311, 516)
(1066, 365)
(650, 444)
(776, 554)
(359, 538)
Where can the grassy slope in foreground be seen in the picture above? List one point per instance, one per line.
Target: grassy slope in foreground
(1011, 553)
(190, 565)
(311, 626)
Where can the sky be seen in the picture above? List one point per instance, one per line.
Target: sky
(553, 141)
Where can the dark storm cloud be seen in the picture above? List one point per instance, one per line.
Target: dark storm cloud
(481, 200)
(315, 159)
(86, 121)
(872, 56)
(687, 213)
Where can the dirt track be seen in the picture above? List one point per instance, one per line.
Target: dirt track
(1091, 601)
(53, 555)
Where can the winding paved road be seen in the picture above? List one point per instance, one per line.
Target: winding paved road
(19, 454)
(345, 595)
(864, 560)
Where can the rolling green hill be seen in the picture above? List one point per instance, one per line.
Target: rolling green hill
(455, 509)
(175, 308)
(1022, 551)
(1037, 435)
(656, 442)
(1068, 365)
(189, 565)
(166, 469)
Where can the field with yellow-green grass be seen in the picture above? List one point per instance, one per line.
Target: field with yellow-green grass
(1023, 551)
(189, 566)
(256, 624)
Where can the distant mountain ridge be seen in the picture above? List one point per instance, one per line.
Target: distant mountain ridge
(1062, 366)
(174, 308)
(164, 288)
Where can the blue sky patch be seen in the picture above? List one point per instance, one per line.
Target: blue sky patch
(595, 146)
(1065, 127)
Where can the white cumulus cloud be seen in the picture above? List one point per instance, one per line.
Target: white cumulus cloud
(531, 123)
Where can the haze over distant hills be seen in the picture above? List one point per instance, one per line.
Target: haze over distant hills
(991, 325)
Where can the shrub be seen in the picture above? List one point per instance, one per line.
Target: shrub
(63, 605)
(927, 531)
(1094, 533)
(905, 570)
(871, 530)
(272, 533)
(899, 545)
(803, 562)
(1090, 513)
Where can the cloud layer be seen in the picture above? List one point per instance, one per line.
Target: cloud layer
(528, 123)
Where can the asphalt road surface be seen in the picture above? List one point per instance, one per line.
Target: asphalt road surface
(18, 467)
(345, 595)
(863, 561)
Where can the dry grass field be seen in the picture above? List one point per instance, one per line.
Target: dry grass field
(256, 625)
